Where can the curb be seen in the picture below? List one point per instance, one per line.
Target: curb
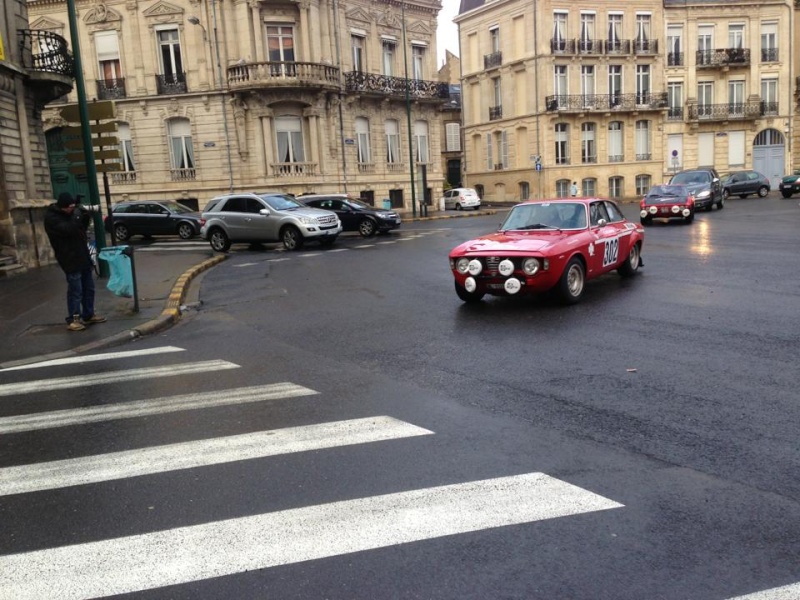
(458, 215)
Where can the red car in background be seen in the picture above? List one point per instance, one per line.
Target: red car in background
(548, 245)
(668, 201)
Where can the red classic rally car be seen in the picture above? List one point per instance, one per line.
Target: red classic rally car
(668, 201)
(548, 245)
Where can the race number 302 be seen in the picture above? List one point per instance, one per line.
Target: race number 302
(612, 252)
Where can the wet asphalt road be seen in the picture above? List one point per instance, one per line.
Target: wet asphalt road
(673, 394)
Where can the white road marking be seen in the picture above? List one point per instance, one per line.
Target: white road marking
(384, 243)
(365, 246)
(787, 592)
(94, 358)
(198, 552)
(336, 250)
(250, 264)
(278, 259)
(35, 477)
(311, 255)
(405, 239)
(63, 383)
(155, 406)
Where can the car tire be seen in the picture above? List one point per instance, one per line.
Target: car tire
(185, 231)
(631, 265)
(292, 238)
(458, 206)
(573, 281)
(646, 220)
(121, 232)
(367, 228)
(468, 297)
(689, 219)
(219, 240)
(726, 193)
(720, 204)
(786, 194)
(477, 207)
(763, 191)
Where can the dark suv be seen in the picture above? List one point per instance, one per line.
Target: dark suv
(705, 186)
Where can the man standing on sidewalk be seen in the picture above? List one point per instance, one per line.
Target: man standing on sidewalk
(66, 227)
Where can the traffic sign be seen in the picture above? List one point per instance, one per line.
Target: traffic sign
(76, 169)
(105, 154)
(538, 166)
(98, 111)
(98, 142)
(75, 130)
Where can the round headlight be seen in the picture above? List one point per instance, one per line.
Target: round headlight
(686, 212)
(462, 264)
(530, 266)
(505, 268)
(676, 209)
(474, 267)
(512, 285)
(653, 210)
(470, 285)
(643, 213)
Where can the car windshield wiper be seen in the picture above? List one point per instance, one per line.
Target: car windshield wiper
(537, 226)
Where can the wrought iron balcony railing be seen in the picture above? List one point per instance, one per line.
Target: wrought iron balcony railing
(111, 89)
(284, 74)
(675, 113)
(727, 112)
(647, 47)
(490, 61)
(495, 112)
(183, 174)
(723, 57)
(561, 46)
(618, 46)
(587, 46)
(674, 59)
(174, 83)
(595, 102)
(769, 55)
(45, 51)
(385, 85)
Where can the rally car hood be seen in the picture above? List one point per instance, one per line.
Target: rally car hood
(514, 241)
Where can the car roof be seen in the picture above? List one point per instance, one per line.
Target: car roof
(581, 200)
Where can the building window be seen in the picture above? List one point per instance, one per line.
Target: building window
(587, 86)
(674, 45)
(588, 143)
(489, 161)
(642, 84)
(421, 142)
(705, 44)
(643, 151)
(642, 184)
(562, 188)
(769, 42)
(562, 143)
(388, 57)
(170, 54)
(501, 141)
(524, 190)
(615, 187)
(675, 101)
(497, 92)
(586, 42)
(614, 85)
(289, 137)
(736, 37)
(452, 137)
(392, 142)
(107, 46)
(614, 41)
(362, 140)
(559, 42)
(642, 40)
(494, 39)
(418, 61)
(357, 44)
(125, 146)
(736, 98)
(615, 151)
(705, 98)
(180, 146)
(769, 96)
(280, 43)
(589, 187)
(560, 85)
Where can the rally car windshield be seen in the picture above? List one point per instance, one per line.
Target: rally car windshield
(546, 215)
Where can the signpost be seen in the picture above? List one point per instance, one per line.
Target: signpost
(675, 162)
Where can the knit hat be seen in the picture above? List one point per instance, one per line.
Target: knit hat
(65, 199)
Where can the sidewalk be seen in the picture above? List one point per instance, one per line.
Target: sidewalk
(33, 304)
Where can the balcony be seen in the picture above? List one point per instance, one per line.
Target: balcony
(590, 46)
(48, 62)
(607, 47)
(495, 112)
(675, 59)
(675, 113)
(493, 60)
(728, 112)
(284, 75)
(723, 57)
(174, 83)
(110, 89)
(123, 177)
(606, 102)
(182, 174)
(372, 84)
(645, 47)
(769, 55)
(618, 47)
(294, 169)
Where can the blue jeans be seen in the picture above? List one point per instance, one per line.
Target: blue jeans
(80, 294)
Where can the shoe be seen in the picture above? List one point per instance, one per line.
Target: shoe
(94, 319)
(76, 325)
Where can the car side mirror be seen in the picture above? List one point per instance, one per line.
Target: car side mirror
(264, 211)
(715, 180)
(602, 222)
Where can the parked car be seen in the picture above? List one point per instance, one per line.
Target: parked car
(460, 198)
(150, 217)
(668, 201)
(790, 184)
(744, 183)
(255, 218)
(355, 214)
(548, 245)
(705, 185)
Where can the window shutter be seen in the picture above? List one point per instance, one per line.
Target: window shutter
(489, 164)
(504, 148)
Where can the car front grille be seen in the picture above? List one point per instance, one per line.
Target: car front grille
(327, 220)
(490, 265)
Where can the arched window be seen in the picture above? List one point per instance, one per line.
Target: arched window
(562, 188)
(421, 141)
(562, 144)
(615, 187)
(289, 137)
(615, 143)
(642, 184)
(588, 143)
(589, 187)
(181, 151)
(125, 146)
(392, 141)
(524, 190)
(362, 140)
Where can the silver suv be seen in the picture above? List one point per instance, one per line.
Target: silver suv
(255, 218)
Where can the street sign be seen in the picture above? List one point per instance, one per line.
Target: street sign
(101, 168)
(98, 111)
(538, 166)
(97, 142)
(75, 130)
(105, 154)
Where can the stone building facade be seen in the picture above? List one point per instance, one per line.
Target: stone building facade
(35, 67)
(251, 95)
(618, 97)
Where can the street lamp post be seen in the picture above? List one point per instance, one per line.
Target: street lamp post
(408, 116)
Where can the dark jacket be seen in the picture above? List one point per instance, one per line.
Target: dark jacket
(67, 235)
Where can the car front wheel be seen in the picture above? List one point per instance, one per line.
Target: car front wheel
(786, 194)
(725, 193)
(468, 297)
(185, 231)
(219, 240)
(366, 228)
(763, 191)
(458, 206)
(572, 282)
(121, 232)
(292, 238)
(720, 204)
(632, 263)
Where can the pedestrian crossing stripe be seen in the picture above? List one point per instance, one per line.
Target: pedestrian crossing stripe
(787, 592)
(198, 552)
(76, 381)
(94, 358)
(187, 455)
(153, 406)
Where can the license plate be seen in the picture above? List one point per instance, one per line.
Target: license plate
(664, 210)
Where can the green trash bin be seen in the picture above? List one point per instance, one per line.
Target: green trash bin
(387, 204)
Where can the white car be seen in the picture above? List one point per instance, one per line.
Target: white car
(460, 198)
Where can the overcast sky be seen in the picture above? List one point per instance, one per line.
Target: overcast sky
(447, 32)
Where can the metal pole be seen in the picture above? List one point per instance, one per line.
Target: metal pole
(222, 96)
(408, 117)
(341, 96)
